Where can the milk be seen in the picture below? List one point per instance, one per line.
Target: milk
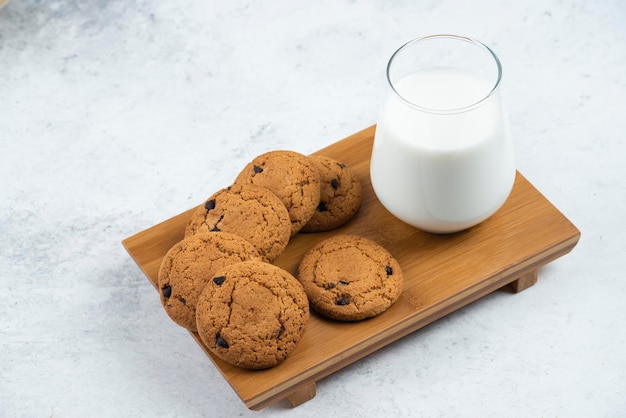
(442, 169)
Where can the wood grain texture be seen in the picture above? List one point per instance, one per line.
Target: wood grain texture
(442, 273)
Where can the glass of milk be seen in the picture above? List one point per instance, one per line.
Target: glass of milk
(442, 159)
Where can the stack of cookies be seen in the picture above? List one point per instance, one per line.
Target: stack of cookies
(219, 281)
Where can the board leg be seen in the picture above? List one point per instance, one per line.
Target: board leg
(525, 281)
(302, 395)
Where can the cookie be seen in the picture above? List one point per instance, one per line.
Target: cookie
(340, 195)
(252, 314)
(190, 264)
(252, 212)
(350, 278)
(292, 177)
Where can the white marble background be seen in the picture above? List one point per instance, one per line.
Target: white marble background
(116, 115)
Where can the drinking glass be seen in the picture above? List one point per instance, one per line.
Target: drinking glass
(442, 159)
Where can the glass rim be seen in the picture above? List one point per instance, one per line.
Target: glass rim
(454, 37)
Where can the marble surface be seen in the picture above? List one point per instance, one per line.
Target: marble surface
(116, 115)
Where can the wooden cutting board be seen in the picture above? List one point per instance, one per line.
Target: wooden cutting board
(442, 273)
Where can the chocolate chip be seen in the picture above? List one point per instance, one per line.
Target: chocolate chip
(334, 183)
(167, 291)
(330, 285)
(215, 229)
(322, 207)
(341, 165)
(344, 300)
(221, 342)
(210, 204)
(279, 331)
(344, 282)
(219, 280)
(388, 270)
(257, 169)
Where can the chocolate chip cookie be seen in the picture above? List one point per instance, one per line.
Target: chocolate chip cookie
(252, 314)
(189, 265)
(252, 212)
(350, 278)
(292, 177)
(340, 195)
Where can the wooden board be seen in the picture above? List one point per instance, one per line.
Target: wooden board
(442, 273)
